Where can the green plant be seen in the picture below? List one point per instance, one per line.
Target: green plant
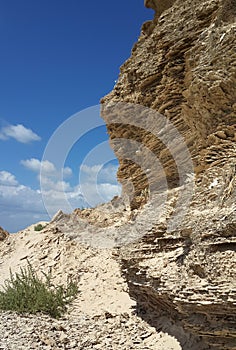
(25, 292)
(38, 227)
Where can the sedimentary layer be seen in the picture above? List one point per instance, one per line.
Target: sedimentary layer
(182, 69)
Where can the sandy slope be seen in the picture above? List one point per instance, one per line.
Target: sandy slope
(103, 291)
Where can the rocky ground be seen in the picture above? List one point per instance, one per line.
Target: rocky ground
(182, 277)
(107, 331)
(3, 234)
(102, 316)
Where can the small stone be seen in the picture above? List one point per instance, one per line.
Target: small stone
(63, 338)
(221, 135)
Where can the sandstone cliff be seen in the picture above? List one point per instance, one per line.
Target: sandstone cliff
(172, 123)
(183, 67)
(3, 234)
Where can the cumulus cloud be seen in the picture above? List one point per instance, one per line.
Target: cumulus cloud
(98, 183)
(46, 168)
(18, 132)
(100, 193)
(21, 205)
(7, 179)
(35, 165)
(99, 173)
(67, 172)
(59, 186)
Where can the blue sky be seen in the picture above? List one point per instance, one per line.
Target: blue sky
(58, 58)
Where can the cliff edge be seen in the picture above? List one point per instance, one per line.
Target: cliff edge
(3, 234)
(168, 270)
(182, 69)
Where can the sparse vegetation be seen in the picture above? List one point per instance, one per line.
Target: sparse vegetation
(25, 292)
(39, 227)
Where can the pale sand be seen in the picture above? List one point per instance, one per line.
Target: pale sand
(102, 288)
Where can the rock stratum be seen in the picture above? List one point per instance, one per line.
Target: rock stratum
(183, 67)
(166, 279)
(3, 234)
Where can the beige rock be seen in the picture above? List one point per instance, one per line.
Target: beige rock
(184, 66)
(170, 287)
(3, 234)
(221, 135)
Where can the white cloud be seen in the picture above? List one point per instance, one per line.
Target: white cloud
(98, 183)
(7, 179)
(46, 168)
(18, 132)
(58, 186)
(21, 206)
(67, 172)
(108, 191)
(100, 193)
(90, 169)
(35, 165)
(99, 173)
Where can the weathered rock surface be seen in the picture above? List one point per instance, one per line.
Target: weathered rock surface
(174, 227)
(3, 234)
(101, 317)
(183, 67)
(81, 332)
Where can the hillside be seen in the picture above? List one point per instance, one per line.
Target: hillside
(156, 267)
(101, 317)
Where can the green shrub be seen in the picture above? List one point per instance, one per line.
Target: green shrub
(38, 227)
(25, 292)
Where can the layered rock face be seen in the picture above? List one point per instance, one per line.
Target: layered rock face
(183, 68)
(3, 234)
